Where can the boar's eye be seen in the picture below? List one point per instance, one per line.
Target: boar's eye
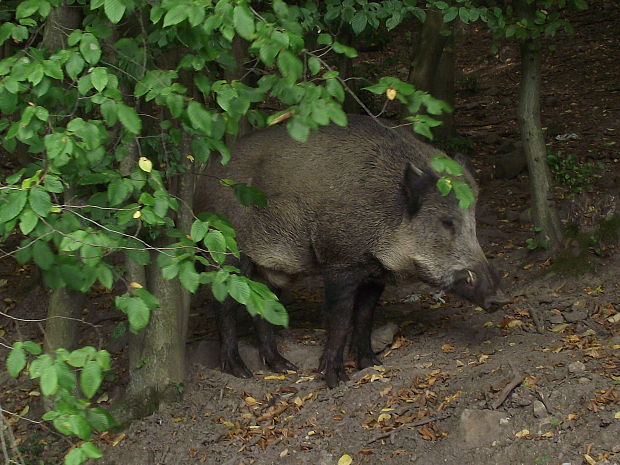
(449, 224)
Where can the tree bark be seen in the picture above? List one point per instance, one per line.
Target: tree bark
(443, 88)
(544, 213)
(157, 355)
(65, 304)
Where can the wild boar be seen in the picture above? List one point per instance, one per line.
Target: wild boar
(359, 206)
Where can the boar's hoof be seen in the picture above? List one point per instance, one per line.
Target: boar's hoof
(278, 364)
(235, 366)
(334, 373)
(368, 360)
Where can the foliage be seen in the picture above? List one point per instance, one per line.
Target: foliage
(451, 182)
(568, 171)
(72, 414)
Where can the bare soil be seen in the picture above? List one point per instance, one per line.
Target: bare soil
(535, 383)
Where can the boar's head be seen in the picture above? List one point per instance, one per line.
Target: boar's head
(436, 241)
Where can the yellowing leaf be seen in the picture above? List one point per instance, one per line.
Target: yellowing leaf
(383, 417)
(275, 377)
(135, 285)
(572, 416)
(345, 460)
(298, 401)
(283, 453)
(459, 363)
(488, 324)
(523, 433)
(251, 400)
(145, 164)
(178, 420)
(390, 94)
(617, 415)
(589, 459)
(137, 214)
(559, 328)
(446, 348)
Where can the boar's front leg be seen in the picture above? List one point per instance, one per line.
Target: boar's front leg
(230, 360)
(340, 291)
(268, 348)
(365, 302)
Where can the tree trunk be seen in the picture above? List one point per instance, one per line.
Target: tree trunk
(157, 355)
(443, 88)
(544, 214)
(240, 52)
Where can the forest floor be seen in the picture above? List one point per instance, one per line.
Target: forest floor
(535, 383)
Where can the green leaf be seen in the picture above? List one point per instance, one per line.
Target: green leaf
(40, 201)
(105, 276)
(216, 244)
(27, 221)
(74, 456)
(345, 50)
(32, 347)
(199, 230)
(74, 65)
(358, 22)
(199, 117)
(114, 10)
(444, 185)
(79, 426)
(275, 313)
(249, 195)
(43, 255)
(324, 39)
(104, 359)
(464, 194)
(49, 379)
(290, 66)
(238, 289)
(443, 164)
(335, 89)
(219, 291)
(16, 201)
(79, 357)
(298, 129)
(89, 48)
(188, 276)
(90, 379)
(91, 451)
(26, 9)
(138, 314)
(175, 15)
(99, 419)
(129, 118)
(243, 21)
(99, 78)
(16, 361)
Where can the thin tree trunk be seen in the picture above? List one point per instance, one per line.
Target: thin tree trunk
(65, 304)
(157, 358)
(443, 88)
(544, 213)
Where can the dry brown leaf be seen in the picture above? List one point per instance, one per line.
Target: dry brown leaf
(447, 348)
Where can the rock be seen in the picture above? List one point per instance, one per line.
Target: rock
(555, 319)
(576, 315)
(583, 380)
(383, 337)
(480, 428)
(540, 411)
(576, 368)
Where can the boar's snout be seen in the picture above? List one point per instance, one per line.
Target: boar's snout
(480, 287)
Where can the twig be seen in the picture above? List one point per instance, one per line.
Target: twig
(516, 380)
(420, 422)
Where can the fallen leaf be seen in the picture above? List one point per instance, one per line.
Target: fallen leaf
(446, 348)
(559, 328)
(345, 460)
(589, 459)
(523, 433)
(390, 94)
(283, 453)
(251, 401)
(275, 377)
(617, 415)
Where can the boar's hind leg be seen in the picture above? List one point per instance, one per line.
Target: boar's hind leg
(268, 349)
(231, 361)
(340, 291)
(365, 301)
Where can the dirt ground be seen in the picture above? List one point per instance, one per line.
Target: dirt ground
(534, 383)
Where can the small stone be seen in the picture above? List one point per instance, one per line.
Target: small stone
(576, 367)
(583, 380)
(480, 427)
(539, 409)
(576, 315)
(616, 449)
(383, 337)
(555, 319)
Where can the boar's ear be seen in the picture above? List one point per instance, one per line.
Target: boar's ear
(416, 183)
(464, 161)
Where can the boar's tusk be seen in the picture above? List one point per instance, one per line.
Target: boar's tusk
(470, 277)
